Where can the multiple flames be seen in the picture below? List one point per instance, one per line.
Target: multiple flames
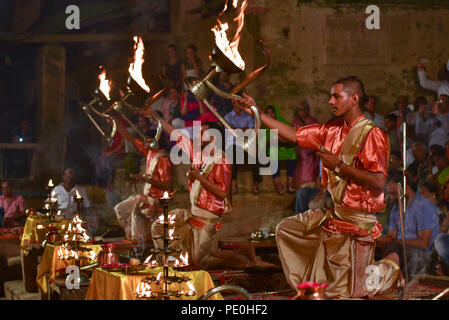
(105, 84)
(75, 231)
(135, 68)
(64, 253)
(230, 49)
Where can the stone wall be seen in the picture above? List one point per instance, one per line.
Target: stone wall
(313, 43)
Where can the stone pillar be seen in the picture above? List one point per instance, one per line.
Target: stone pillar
(51, 100)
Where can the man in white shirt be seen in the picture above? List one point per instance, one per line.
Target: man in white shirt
(65, 192)
(370, 112)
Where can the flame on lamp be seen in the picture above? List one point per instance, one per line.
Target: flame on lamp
(158, 278)
(184, 259)
(147, 259)
(230, 49)
(135, 68)
(192, 290)
(105, 84)
(50, 183)
(165, 196)
(77, 194)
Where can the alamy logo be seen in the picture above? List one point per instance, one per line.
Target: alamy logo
(73, 20)
(373, 20)
(73, 279)
(261, 148)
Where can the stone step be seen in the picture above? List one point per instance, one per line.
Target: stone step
(14, 290)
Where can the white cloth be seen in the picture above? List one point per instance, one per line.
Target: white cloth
(378, 119)
(66, 203)
(441, 87)
(434, 130)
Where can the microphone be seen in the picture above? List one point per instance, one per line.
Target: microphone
(409, 108)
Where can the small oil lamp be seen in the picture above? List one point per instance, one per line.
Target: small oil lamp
(79, 201)
(311, 291)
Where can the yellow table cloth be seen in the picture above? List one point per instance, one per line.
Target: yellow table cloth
(32, 235)
(107, 285)
(51, 265)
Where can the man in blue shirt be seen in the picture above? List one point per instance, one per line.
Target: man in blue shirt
(241, 120)
(421, 227)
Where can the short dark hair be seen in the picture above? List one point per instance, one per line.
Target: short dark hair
(396, 153)
(392, 117)
(396, 176)
(433, 188)
(173, 46)
(216, 125)
(193, 47)
(9, 183)
(353, 85)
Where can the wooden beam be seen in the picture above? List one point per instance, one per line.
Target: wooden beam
(19, 146)
(91, 37)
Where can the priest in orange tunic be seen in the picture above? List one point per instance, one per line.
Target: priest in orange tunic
(136, 213)
(209, 181)
(336, 245)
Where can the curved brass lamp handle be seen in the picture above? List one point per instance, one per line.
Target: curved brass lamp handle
(226, 287)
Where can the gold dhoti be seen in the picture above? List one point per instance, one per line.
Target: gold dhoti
(309, 252)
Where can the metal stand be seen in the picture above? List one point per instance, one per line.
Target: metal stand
(403, 195)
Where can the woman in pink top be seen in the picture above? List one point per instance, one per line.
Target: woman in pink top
(308, 163)
(13, 206)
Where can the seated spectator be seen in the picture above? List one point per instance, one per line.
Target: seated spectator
(395, 161)
(440, 86)
(241, 120)
(286, 152)
(418, 171)
(108, 161)
(371, 114)
(433, 126)
(421, 228)
(439, 159)
(12, 207)
(65, 192)
(307, 161)
(443, 205)
(171, 105)
(442, 249)
(193, 65)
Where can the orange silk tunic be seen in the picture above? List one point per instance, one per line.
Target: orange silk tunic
(163, 172)
(372, 157)
(220, 176)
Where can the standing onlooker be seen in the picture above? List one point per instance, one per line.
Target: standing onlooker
(371, 114)
(286, 152)
(12, 207)
(307, 165)
(174, 70)
(241, 120)
(418, 171)
(440, 86)
(436, 129)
